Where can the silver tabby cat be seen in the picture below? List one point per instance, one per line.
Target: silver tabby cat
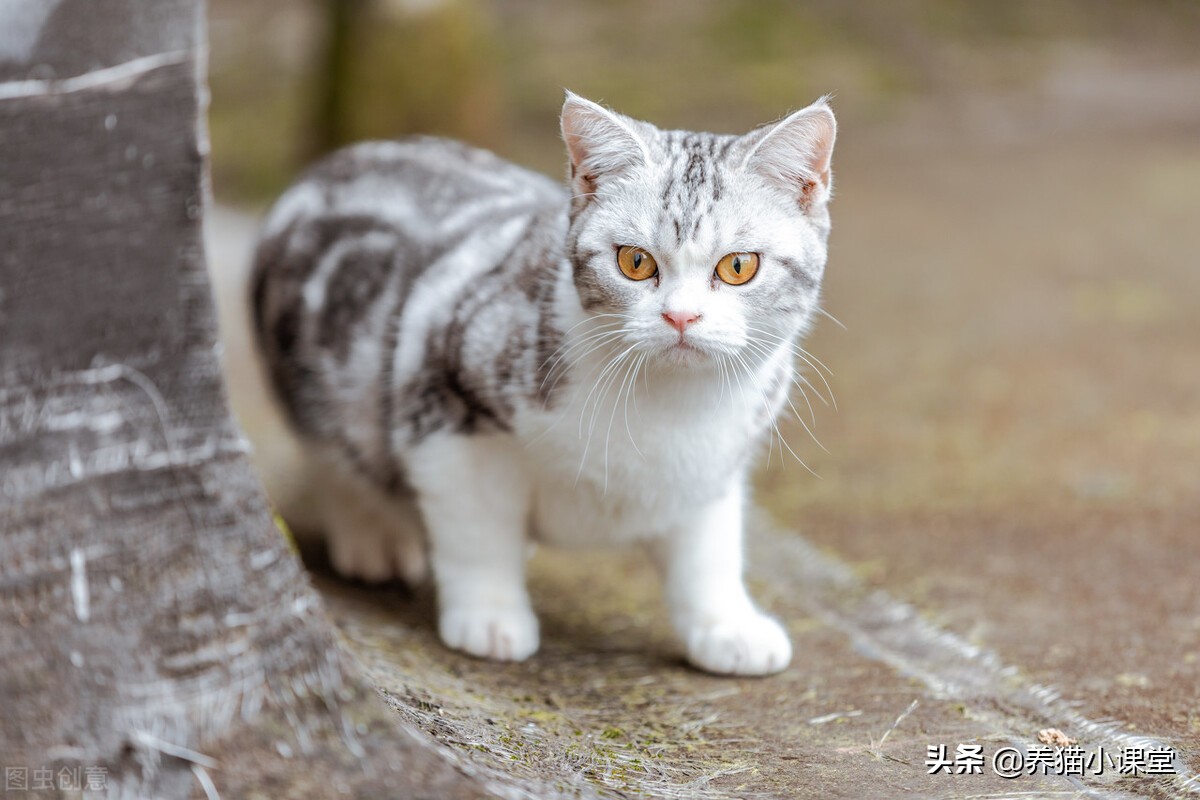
(471, 357)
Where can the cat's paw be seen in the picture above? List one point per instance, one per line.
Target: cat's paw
(374, 555)
(501, 634)
(748, 644)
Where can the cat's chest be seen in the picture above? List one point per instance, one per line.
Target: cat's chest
(613, 476)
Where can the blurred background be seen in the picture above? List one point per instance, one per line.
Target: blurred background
(292, 79)
(1015, 181)
(1015, 263)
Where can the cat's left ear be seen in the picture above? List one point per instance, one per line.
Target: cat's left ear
(797, 153)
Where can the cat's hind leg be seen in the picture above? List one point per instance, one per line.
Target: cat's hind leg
(475, 498)
(370, 535)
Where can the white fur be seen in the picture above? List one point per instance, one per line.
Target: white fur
(661, 462)
(646, 441)
(661, 457)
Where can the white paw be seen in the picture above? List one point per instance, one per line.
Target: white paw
(375, 555)
(748, 644)
(501, 634)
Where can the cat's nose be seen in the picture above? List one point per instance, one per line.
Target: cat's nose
(679, 320)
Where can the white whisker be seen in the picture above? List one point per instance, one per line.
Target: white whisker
(607, 376)
(812, 415)
(612, 416)
(771, 416)
(641, 360)
(834, 319)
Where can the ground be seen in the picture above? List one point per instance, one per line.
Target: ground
(1002, 537)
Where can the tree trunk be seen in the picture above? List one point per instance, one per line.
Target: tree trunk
(158, 637)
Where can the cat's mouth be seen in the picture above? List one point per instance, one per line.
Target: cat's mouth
(682, 351)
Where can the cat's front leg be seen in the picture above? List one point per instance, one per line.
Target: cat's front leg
(475, 499)
(711, 611)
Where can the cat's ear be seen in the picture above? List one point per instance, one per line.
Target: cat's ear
(600, 143)
(797, 152)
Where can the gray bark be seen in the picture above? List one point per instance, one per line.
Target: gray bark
(154, 627)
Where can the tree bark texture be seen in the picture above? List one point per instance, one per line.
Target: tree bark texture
(155, 629)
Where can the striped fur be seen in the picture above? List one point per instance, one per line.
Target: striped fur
(348, 264)
(422, 303)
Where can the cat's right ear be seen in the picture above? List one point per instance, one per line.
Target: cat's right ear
(600, 143)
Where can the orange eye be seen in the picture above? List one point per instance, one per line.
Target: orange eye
(737, 268)
(636, 263)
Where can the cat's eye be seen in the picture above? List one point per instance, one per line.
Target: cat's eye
(737, 268)
(635, 263)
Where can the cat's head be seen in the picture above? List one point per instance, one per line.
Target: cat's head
(699, 245)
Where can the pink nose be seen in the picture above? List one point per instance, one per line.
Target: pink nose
(679, 320)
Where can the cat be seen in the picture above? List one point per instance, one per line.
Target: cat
(475, 357)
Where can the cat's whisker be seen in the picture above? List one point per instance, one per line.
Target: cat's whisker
(814, 362)
(796, 378)
(582, 412)
(804, 424)
(613, 415)
(565, 411)
(609, 370)
(796, 381)
(737, 374)
(613, 373)
(595, 339)
(566, 335)
(825, 382)
(607, 374)
(795, 412)
(724, 379)
(802, 381)
(598, 340)
(597, 408)
(787, 397)
(641, 360)
(834, 319)
(600, 372)
(594, 371)
(774, 430)
(730, 373)
(812, 415)
(771, 417)
(817, 365)
(794, 346)
(569, 342)
(774, 435)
